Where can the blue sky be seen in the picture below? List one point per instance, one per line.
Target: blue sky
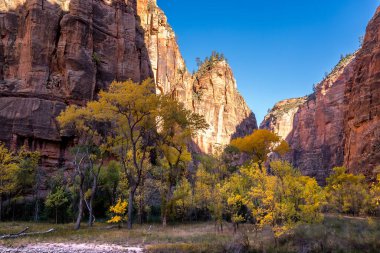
(277, 49)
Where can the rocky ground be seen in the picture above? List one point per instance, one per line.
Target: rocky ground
(71, 248)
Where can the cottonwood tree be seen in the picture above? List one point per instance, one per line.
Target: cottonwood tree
(260, 144)
(129, 111)
(346, 192)
(9, 168)
(56, 199)
(88, 154)
(176, 127)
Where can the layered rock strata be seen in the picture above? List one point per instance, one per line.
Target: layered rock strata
(59, 52)
(362, 94)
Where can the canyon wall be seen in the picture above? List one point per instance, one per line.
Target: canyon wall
(210, 92)
(362, 118)
(59, 52)
(339, 124)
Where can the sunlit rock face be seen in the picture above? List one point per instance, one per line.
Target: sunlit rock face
(215, 96)
(212, 93)
(59, 52)
(317, 137)
(339, 124)
(280, 119)
(362, 118)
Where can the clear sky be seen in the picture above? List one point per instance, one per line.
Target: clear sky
(277, 49)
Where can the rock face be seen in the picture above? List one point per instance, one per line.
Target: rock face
(362, 118)
(280, 119)
(339, 124)
(313, 125)
(211, 92)
(59, 52)
(216, 97)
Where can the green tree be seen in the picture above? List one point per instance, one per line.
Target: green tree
(56, 199)
(9, 168)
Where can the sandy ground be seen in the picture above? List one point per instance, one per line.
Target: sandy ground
(71, 248)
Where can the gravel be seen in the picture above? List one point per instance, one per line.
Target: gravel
(71, 248)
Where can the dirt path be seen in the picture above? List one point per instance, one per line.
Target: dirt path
(71, 248)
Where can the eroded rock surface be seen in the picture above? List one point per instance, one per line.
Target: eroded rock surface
(362, 118)
(339, 124)
(59, 52)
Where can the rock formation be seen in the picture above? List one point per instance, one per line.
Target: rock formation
(313, 125)
(281, 117)
(339, 124)
(362, 118)
(216, 97)
(211, 92)
(59, 52)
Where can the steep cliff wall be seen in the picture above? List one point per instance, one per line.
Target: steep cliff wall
(281, 117)
(59, 52)
(215, 96)
(313, 125)
(211, 92)
(362, 119)
(339, 124)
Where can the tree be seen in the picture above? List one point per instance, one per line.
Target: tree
(346, 192)
(56, 199)
(128, 110)
(208, 190)
(88, 154)
(260, 144)
(176, 127)
(118, 211)
(9, 168)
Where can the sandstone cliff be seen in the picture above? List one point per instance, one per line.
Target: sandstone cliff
(216, 97)
(313, 126)
(339, 124)
(58, 52)
(281, 117)
(362, 118)
(211, 92)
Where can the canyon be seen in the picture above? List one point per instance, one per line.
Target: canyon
(54, 53)
(339, 124)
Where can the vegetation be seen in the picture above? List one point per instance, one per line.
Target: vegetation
(132, 161)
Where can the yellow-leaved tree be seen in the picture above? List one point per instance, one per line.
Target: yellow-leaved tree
(128, 112)
(346, 192)
(260, 144)
(118, 213)
(176, 127)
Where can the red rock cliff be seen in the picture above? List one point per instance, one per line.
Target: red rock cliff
(340, 123)
(362, 118)
(58, 52)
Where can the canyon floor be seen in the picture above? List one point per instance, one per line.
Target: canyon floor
(335, 234)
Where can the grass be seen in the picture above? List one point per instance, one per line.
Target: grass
(335, 234)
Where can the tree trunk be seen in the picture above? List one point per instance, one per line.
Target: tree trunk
(164, 218)
(140, 211)
(56, 215)
(92, 197)
(80, 211)
(1, 206)
(80, 206)
(130, 208)
(36, 210)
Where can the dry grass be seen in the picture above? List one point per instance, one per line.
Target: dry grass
(335, 234)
